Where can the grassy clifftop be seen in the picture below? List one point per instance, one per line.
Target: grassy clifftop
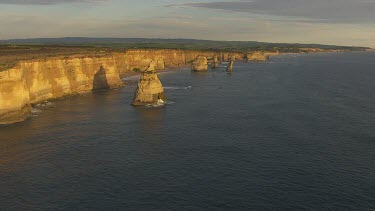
(10, 55)
(13, 51)
(189, 44)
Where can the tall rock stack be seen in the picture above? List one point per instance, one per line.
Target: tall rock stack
(200, 64)
(215, 62)
(149, 90)
(231, 62)
(230, 66)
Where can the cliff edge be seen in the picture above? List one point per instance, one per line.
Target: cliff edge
(33, 81)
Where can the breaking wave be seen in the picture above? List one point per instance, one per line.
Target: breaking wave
(177, 88)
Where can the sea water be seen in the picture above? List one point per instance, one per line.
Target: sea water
(293, 133)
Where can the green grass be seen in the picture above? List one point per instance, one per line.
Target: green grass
(11, 52)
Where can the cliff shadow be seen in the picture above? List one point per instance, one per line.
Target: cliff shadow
(200, 74)
(151, 120)
(100, 80)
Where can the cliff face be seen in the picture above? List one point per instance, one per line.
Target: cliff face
(36, 81)
(31, 82)
(14, 97)
(57, 78)
(260, 56)
(162, 58)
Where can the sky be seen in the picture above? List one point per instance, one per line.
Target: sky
(340, 22)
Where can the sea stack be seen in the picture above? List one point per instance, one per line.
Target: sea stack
(200, 64)
(150, 90)
(215, 61)
(231, 62)
(230, 66)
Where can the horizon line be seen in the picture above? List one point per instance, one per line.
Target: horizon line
(35, 38)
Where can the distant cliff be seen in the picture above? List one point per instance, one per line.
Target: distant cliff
(34, 81)
(259, 55)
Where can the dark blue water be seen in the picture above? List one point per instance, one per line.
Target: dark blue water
(295, 133)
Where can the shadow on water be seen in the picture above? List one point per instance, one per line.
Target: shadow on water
(100, 80)
(201, 74)
(151, 119)
(151, 115)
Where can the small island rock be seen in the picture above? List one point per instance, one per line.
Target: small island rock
(200, 64)
(150, 89)
(231, 62)
(215, 61)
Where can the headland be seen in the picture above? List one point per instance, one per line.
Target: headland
(32, 73)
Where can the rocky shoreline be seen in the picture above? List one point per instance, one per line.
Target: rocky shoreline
(31, 82)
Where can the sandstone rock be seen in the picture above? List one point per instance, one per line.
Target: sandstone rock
(35, 81)
(32, 82)
(231, 62)
(256, 56)
(149, 89)
(14, 102)
(232, 58)
(215, 62)
(260, 56)
(200, 64)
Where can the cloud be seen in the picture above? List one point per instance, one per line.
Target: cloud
(49, 2)
(213, 28)
(336, 11)
(217, 20)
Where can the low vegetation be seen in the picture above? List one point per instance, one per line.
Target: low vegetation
(13, 51)
(10, 55)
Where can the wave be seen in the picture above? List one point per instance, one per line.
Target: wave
(35, 112)
(177, 88)
(45, 104)
(169, 103)
(130, 78)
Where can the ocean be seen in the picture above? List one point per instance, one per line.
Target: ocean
(294, 133)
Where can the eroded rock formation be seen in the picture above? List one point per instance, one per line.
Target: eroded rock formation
(200, 64)
(215, 61)
(260, 55)
(14, 101)
(38, 80)
(231, 62)
(149, 89)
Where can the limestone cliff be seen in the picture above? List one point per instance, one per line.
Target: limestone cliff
(260, 55)
(14, 98)
(34, 81)
(200, 64)
(163, 58)
(149, 89)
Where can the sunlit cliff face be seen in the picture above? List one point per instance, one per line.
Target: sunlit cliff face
(32, 82)
(343, 22)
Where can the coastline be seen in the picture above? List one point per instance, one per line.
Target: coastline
(34, 81)
(44, 79)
